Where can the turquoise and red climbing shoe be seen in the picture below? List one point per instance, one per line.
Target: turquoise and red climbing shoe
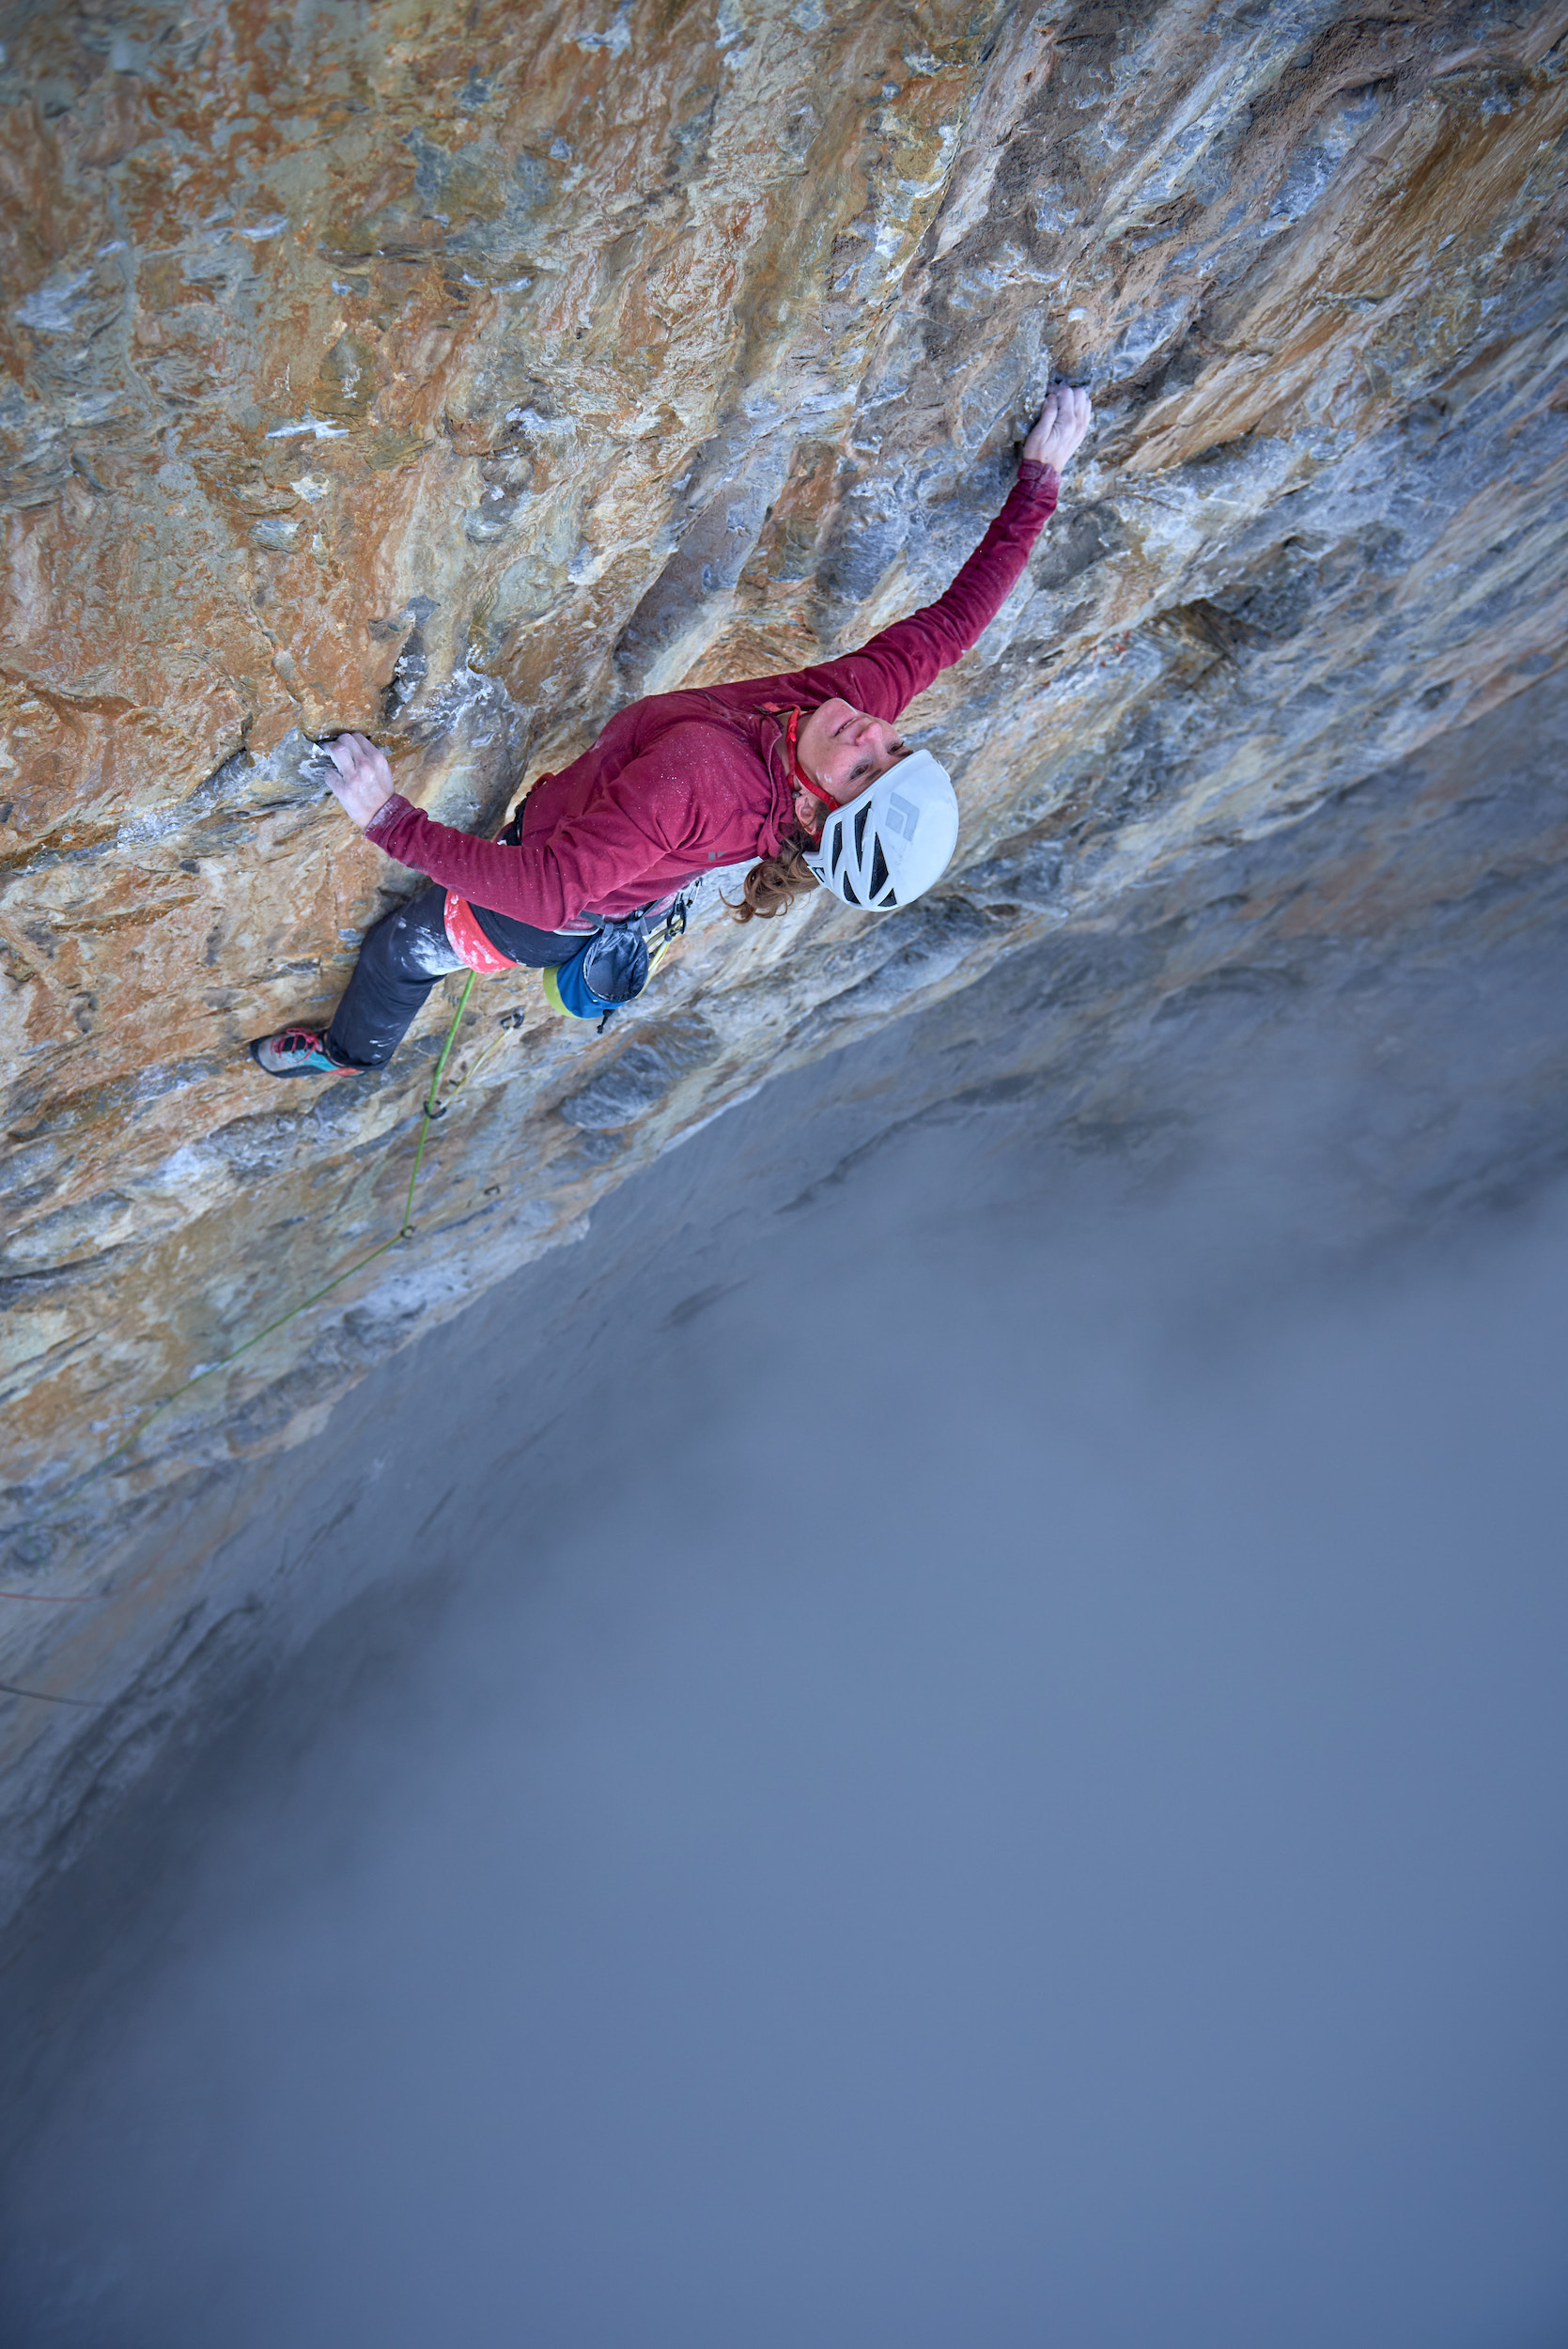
(296, 1053)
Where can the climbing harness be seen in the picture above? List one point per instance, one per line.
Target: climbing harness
(468, 940)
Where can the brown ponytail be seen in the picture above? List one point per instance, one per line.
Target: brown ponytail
(773, 884)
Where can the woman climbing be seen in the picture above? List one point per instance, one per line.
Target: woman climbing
(806, 772)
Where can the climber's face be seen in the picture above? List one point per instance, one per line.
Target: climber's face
(843, 749)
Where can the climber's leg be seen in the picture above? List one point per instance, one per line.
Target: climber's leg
(400, 962)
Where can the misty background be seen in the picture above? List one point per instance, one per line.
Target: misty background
(953, 1730)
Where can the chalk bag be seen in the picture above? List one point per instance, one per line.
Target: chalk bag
(606, 972)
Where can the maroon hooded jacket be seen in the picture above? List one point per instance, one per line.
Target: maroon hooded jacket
(682, 781)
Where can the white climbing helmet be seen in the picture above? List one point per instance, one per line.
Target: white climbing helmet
(895, 840)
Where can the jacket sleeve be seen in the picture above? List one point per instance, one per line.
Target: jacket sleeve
(885, 675)
(629, 825)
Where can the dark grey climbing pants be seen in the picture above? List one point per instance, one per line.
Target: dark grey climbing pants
(400, 962)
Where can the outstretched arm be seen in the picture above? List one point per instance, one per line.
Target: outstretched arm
(956, 621)
(886, 673)
(626, 829)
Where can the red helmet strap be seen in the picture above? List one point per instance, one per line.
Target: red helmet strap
(800, 775)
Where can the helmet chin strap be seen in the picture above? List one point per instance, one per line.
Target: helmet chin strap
(800, 775)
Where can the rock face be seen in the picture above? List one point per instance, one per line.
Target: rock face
(457, 375)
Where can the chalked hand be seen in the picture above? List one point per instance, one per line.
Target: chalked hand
(1062, 423)
(363, 779)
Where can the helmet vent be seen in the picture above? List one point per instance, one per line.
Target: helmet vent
(885, 836)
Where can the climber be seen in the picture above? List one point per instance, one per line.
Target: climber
(806, 771)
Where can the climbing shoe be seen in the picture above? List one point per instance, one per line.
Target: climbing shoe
(296, 1053)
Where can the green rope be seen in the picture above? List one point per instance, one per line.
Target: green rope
(423, 1133)
(402, 1232)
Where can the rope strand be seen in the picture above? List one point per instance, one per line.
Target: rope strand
(41, 1696)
